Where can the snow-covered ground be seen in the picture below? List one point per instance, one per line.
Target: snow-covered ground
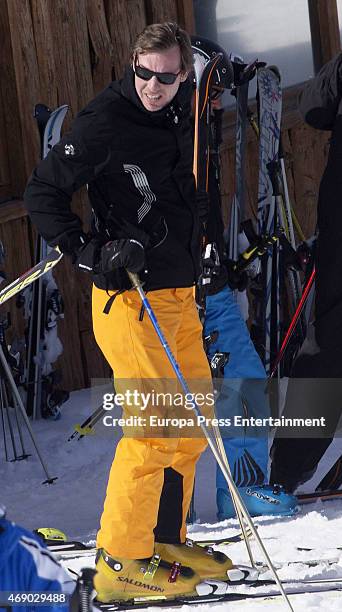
(74, 503)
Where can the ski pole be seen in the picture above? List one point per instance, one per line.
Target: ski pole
(278, 180)
(137, 285)
(88, 424)
(2, 408)
(24, 454)
(293, 322)
(20, 404)
(4, 395)
(9, 421)
(238, 511)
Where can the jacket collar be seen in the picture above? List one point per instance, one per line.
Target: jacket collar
(172, 113)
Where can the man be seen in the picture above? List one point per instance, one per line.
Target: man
(26, 566)
(319, 362)
(132, 146)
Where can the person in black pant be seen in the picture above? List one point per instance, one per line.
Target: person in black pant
(315, 389)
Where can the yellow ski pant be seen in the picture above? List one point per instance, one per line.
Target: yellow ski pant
(131, 346)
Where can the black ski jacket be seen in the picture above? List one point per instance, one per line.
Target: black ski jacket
(320, 100)
(321, 107)
(320, 104)
(138, 168)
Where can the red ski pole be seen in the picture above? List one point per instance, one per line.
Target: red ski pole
(294, 322)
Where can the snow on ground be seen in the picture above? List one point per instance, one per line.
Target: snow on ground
(74, 504)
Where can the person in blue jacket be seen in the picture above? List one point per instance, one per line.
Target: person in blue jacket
(27, 566)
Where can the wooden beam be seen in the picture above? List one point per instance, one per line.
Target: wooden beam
(158, 12)
(186, 17)
(11, 123)
(126, 19)
(5, 177)
(81, 53)
(15, 237)
(71, 54)
(42, 28)
(324, 31)
(12, 210)
(26, 76)
(103, 50)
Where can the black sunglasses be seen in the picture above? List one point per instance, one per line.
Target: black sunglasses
(165, 78)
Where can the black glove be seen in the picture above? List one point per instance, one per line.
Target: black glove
(125, 253)
(87, 257)
(202, 203)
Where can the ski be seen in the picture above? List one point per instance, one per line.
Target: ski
(308, 562)
(307, 498)
(227, 589)
(233, 540)
(75, 549)
(239, 538)
(44, 266)
(286, 219)
(67, 551)
(265, 597)
(237, 213)
(213, 74)
(333, 478)
(212, 69)
(45, 305)
(89, 553)
(267, 311)
(223, 541)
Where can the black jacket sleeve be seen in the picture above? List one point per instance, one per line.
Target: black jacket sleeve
(320, 99)
(74, 161)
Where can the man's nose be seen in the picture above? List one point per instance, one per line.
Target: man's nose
(153, 83)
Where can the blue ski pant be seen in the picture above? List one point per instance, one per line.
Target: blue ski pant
(242, 392)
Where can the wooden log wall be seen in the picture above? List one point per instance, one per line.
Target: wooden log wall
(66, 51)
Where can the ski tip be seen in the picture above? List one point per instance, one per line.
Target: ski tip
(276, 70)
(51, 534)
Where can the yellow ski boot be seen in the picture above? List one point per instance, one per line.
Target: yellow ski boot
(205, 561)
(124, 579)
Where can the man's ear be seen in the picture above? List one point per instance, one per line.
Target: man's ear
(184, 76)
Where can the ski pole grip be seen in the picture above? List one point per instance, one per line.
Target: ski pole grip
(134, 278)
